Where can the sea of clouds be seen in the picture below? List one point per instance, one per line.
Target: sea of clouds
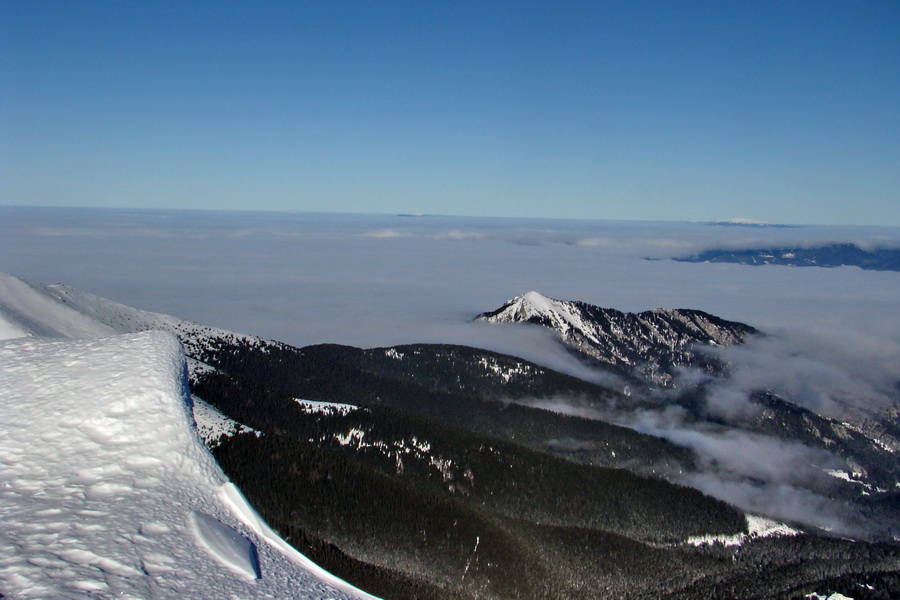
(832, 340)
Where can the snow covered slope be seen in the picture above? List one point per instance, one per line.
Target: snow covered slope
(36, 309)
(653, 340)
(106, 489)
(30, 309)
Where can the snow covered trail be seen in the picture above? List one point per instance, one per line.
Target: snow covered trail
(107, 491)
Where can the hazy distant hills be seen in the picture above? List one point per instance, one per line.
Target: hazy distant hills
(829, 255)
(437, 471)
(750, 223)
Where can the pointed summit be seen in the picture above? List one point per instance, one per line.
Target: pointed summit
(522, 308)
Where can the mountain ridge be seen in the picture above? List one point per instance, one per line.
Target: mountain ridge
(825, 255)
(661, 339)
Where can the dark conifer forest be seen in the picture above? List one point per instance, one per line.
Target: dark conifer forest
(430, 481)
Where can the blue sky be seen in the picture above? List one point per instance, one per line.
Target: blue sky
(785, 111)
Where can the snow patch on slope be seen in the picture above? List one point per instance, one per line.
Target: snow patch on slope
(212, 425)
(757, 527)
(325, 408)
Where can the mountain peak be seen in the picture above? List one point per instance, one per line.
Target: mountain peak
(656, 341)
(533, 297)
(526, 307)
(530, 304)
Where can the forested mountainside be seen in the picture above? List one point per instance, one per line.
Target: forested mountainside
(419, 488)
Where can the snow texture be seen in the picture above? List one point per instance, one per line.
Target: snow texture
(226, 545)
(106, 489)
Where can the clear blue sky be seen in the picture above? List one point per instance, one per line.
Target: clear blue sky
(786, 111)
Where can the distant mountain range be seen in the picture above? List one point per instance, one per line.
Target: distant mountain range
(828, 255)
(749, 223)
(436, 472)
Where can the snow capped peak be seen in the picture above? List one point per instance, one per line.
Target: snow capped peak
(34, 309)
(529, 304)
(525, 306)
(536, 299)
(658, 338)
(743, 221)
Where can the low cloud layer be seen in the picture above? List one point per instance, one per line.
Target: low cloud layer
(759, 473)
(377, 280)
(838, 374)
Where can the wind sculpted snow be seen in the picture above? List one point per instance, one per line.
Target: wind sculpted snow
(105, 481)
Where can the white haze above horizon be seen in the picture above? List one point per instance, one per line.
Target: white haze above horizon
(833, 335)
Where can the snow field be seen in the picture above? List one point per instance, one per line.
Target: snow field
(106, 489)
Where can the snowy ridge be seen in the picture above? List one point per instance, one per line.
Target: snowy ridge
(107, 490)
(124, 319)
(28, 309)
(656, 338)
(33, 309)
